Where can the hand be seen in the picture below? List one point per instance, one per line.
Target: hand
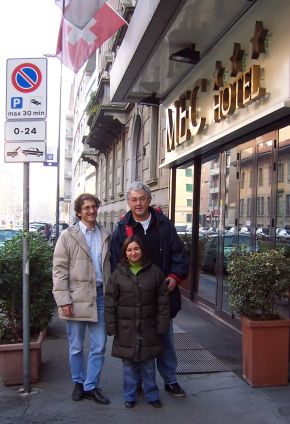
(171, 282)
(67, 310)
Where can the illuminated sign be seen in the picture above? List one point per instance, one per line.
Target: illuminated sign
(186, 118)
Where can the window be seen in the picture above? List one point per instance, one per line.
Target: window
(189, 187)
(279, 204)
(248, 212)
(251, 180)
(260, 176)
(189, 202)
(288, 204)
(242, 207)
(188, 172)
(260, 205)
(280, 172)
(243, 180)
(188, 217)
(268, 206)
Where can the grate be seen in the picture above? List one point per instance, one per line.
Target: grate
(193, 358)
(186, 341)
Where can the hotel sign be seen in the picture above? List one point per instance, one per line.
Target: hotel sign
(186, 118)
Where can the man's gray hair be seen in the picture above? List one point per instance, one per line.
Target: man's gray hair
(137, 186)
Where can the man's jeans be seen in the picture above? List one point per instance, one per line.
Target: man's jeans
(131, 375)
(90, 377)
(167, 362)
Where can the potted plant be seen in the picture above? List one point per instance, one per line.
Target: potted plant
(41, 304)
(255, 282)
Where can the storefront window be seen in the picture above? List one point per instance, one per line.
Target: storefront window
(183, 200)
(208, 228)
(283, 190)
(244, 191)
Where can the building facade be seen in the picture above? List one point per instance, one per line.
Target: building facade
(195, 103)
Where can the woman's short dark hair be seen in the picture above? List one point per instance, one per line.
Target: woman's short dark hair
(79, 201)
(126, 243)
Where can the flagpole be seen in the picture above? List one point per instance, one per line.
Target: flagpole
(58, 156)
(58, 147)
(58, 142)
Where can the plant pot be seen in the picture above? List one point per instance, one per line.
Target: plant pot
(11, 361)
(265, 352)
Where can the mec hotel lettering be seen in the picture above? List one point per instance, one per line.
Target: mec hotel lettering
(183, 121)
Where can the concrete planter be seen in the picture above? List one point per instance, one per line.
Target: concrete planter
(265, 352)
(11, 361)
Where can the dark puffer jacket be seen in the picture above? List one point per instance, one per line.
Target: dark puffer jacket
(137, 312)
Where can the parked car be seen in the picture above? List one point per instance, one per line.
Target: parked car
(7, 234)
(245, 230)
(61, 226)
(42, 228)
(207, 231)
(278, 229)
(182, 229)
(283, 235)
(209, 261)
(262, 233)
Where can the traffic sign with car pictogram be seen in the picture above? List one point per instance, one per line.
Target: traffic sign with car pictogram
(25, 151)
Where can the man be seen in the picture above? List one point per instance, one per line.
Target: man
(81, 269)
(166, 250)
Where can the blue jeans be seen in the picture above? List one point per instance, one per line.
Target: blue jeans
(167, 362)
(131, 374)
(89, 376)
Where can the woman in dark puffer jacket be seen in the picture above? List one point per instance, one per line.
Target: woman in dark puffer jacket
(137, 313)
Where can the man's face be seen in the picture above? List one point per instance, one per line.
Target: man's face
(139, 203)
(89, 212)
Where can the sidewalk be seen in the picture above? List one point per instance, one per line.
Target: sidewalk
(212, 398)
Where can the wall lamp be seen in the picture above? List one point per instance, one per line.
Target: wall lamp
(187, 55)
(150, 100)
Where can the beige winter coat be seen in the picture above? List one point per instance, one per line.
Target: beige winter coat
(74, 278)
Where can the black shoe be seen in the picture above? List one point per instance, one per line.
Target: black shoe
(156, 403)
(174, 389)
(130, 403)
(96, 396)
(78, 392)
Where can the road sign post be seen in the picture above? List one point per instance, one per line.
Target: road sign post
(25, 133)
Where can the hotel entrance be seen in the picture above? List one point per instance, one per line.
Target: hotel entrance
(239, 196)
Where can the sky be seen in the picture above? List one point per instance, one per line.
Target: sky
(29, 29)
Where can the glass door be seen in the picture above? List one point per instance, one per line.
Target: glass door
(209, 222)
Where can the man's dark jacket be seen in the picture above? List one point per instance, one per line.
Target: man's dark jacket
(161, 241)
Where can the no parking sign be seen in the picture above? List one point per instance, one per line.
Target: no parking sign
(26, 89)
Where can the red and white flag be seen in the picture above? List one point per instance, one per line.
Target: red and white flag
(79, 12)
(75, 45)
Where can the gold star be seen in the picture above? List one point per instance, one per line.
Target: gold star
(236, 60)
(218, 75)
(258, 40)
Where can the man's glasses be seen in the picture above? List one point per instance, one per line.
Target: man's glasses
(87, 208)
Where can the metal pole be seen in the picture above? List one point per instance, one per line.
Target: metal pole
(25, 280)
(58, 156)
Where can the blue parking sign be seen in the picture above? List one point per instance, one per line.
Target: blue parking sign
(16, 102)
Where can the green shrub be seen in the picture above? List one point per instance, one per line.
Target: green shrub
(255, 281)
(40, 286)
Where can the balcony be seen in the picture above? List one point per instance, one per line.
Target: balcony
(68, 153)
(214, 189)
